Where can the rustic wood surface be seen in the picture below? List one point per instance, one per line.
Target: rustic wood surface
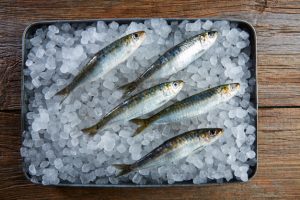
(278, 48)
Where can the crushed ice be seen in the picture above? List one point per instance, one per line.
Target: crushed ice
(56, 151)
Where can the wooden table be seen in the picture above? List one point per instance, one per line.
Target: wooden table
(278, 38)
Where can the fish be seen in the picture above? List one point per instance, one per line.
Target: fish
(173, 149)
(189, 107)
(175, 59)
(140, 104)
(104, 61)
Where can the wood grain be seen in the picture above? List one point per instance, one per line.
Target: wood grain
(278, 46)
(276, 22)
(278, 172)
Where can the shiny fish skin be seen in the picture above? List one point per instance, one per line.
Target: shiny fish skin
(105, 60)
(174, 149)
(190, 107)
(140, 104)
(175, 59)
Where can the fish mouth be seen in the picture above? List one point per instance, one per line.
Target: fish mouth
(181, 83)
(220, 131)
(231, 88)
(235, 86)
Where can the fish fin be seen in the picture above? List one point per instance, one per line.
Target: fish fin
(124, 169)
(198, 150)
(90, 130)
(88, 66)
(65, 97)
(128, 88)
(63, 92)
(142, 123)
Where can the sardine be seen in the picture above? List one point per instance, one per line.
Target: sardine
(175, 59)
(140, 104)
(190, 107)
(174, 149)
(105, 60)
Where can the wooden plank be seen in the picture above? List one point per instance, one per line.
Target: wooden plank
(10, 64)
(278, 173)
(276, 22)
(279, 80)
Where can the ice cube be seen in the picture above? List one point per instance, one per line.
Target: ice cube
(121, 148)
(107, 141)
(213, 60)
(125, 133)
(250, 129)
(241, 113)
(108, 84)
(241, 44)
(251, 154)
(58, 163)
(244, 177)
(244, 35)
(233, 36)
(114, 25)
(53, 29)
(207, 25)
(32, 169)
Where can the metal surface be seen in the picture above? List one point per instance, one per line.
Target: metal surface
(30, 30)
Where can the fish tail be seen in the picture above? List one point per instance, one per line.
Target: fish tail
(93, 129)
(128, 88)
(90, 130)
(64, 99)
(78, 78)
(124, 169)
(63, 92)
(142, 123)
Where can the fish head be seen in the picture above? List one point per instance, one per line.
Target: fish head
(135, 39)
(173, 88)
(212, 134)
(229, 90)
(212, 35)
(208, 38)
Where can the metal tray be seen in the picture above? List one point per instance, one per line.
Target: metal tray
(30, 30)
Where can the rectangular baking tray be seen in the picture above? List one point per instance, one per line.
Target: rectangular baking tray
(244, 25)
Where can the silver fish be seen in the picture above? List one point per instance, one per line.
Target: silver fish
(190, 107)
(175, 59)
(105, 60)
(174, 149)
(140, 104)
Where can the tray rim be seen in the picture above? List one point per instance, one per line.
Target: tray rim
(132, 185)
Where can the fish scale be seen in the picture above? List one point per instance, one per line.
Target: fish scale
(174, 149)
(140, 104)
(104, 61)
(175, 59)
(190, 107)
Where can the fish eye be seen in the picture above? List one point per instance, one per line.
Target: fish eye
(212, 133)
(135, 35)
